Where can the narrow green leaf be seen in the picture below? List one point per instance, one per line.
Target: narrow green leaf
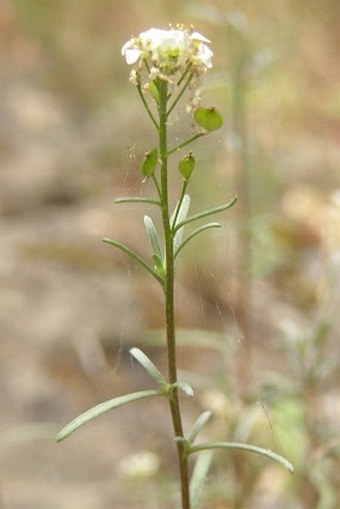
(137, 199)
(194, 234)
(181, 211)
(153, 237)
(198, 478)
(102, 408)
(148, 365)
(179, 215)
(206, 213)
(201, 421)
(186, 388)
(135, 257)
(246, 447)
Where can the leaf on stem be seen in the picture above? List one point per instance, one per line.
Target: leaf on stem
(194, 234)
(201, 421)
(246, 447)
(137, 199)
(185, 387)
(153, 237)
(198, 478)
(206, 213)
(179, 215)
(135, 257)
(102, 408)
(148, 365)
(181, 211)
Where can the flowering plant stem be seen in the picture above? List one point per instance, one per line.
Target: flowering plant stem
(169, 293)
(173, 54)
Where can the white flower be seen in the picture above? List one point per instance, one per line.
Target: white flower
(131, 54)
(169, 52)
(204, 56)
(204, 53)
(171, 41)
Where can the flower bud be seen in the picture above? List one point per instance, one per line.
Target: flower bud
(208, 118)
(187, 165)
(150, 162)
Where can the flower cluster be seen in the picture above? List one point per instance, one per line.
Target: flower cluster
(168, 54)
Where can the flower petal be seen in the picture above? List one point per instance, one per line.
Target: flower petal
(196, 36)
(205, 55)
(132, 55)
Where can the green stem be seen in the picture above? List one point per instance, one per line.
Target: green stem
(186, 142)
(158, 189)
(180, 94)
(149, 112)
(180, 81)
(169, 295)
(184, 188)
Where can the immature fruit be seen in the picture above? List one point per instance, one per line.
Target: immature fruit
(154, 91)
(208, 118)
(187, 165)
(150, 162)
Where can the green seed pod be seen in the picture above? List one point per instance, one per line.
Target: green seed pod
(208, 118)
(187, 165)
(150, 162)
(154, 91)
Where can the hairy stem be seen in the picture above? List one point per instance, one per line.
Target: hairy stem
(169, 296)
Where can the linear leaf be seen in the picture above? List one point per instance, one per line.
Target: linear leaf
(153, 237)
(137, 199)
(198, 478)
(206, 213)
(179, 216)
(135, 257)
(193, 234)
(148, 365)
(102, 408)
(246, 447)
(186, 388)
(203, 418)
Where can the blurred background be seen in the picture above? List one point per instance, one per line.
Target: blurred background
(258, 300)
